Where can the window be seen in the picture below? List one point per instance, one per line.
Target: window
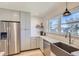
(70, 24)
(53, 25)
(65, 23)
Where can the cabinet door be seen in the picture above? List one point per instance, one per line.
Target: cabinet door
(25, 20)
(9, 15)
(38, 42)
(23, 40)
(25, 30)
(27, 37)
(46, 47)
(41, 44)
(33, 43)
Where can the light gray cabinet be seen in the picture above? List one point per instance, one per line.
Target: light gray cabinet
(34, 42)
(38, 42)
(25, 30)
(41, 44)
(25, 40)
(46, 48)
(25, 20)
(9, 15)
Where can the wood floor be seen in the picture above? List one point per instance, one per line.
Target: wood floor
(31, 53)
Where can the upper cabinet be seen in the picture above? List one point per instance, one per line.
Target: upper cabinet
(25, 30)
(25, 20)
(9, 15)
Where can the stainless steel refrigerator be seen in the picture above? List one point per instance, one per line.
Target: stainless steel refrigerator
(10, 37)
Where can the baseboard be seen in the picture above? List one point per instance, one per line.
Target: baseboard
(30, 49)
(25, 51)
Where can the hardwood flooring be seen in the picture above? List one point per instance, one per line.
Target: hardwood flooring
(31, 53)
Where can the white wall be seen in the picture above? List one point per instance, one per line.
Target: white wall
(35, 21)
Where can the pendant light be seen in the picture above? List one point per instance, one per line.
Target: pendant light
(67, 12)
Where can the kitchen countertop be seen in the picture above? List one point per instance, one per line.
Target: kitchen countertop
(51, 40)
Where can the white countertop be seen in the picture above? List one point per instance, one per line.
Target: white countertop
(51, 40)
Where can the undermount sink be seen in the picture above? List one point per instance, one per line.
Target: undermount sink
(62, 49)
(66, 47)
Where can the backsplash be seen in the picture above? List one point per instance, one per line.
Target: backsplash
(75, 40)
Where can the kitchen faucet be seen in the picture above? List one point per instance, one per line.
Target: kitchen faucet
(69, 36)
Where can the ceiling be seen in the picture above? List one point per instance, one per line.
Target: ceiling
(39, 9)
(36, 8)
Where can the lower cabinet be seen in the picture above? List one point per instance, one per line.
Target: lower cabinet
(46, 48)
(25, 40)
(49, 49)
(41, 45)
(38, 42)
(34, 42)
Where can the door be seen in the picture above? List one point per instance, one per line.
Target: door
(25, 20)
(27, 36)
(3, 26)
(25, 31)
(14, 37)
(41, 44)
(23, 40)
(46, 47)
(3, 39)
(33, 43)
(38, 42)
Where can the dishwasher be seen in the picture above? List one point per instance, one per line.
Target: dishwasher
(46, 48)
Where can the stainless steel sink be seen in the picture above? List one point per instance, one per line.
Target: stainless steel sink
(62, 49)
(66, 47)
